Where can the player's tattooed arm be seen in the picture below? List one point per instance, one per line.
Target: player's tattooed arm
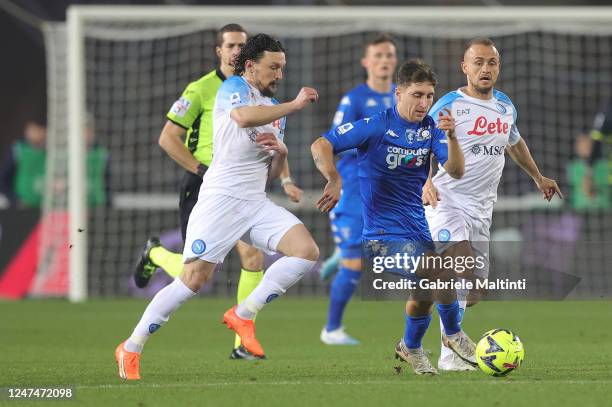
(323, 156)
(521, 155)
(455, 164)
(430, 194)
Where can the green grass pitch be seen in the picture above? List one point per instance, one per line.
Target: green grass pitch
(568, 358)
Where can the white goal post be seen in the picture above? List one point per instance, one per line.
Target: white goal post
(142, 22)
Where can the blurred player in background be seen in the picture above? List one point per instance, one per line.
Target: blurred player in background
(248, 129)
(602, 137)
(375, 95)
(22, 177)
(394, 150)
(485, 128)
(191, 119)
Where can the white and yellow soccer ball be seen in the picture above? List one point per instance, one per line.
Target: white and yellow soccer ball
(499, 352)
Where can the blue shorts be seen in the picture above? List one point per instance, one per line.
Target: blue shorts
(347, 231)
(406, 255)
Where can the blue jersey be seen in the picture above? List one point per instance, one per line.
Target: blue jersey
(393, 159)
(359, 103)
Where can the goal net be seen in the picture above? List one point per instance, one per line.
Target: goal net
(121, 68)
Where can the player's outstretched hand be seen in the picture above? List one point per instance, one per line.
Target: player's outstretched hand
(305, 97)
(430, 194)
(269, 142)
(549, 188)
(446, 122)
(293, 192)
(330, 197)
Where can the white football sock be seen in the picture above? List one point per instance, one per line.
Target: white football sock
(284, 273)
(445, 351)
(165, 302)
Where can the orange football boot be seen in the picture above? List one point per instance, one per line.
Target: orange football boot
(128, 362)
(245, 329)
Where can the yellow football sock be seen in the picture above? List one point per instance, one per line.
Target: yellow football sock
(247, 283)
(170, 262)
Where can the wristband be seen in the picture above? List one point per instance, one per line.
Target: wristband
(201, 169)
(285, 181)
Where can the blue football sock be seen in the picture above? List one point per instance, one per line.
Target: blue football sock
(342, 290)
(450, 315)
(415, 330)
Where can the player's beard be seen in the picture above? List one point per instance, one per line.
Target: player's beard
(270, 90)
(483, 89)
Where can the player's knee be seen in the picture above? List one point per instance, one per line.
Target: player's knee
(307, 250)
(196, 274)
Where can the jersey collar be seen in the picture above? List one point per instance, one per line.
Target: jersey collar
(468, 97)
(220, 74)
(404, 121)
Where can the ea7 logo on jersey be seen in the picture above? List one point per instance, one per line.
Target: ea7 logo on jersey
(483, 127)
(180, 107)
(408, 157)
(344, 128)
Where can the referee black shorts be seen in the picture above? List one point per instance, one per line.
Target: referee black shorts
(190, 189)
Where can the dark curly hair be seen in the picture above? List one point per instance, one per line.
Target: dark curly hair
(254, 49)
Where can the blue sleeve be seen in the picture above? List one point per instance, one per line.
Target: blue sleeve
(346, 112)
(356, 134)
(233, 93)
(514, 136)
(439, 146)
(445, 102)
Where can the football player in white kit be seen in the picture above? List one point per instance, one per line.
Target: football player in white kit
(485, 124)
(248, 128)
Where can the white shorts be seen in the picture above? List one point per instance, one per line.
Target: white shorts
(450, 226)
(217, 222)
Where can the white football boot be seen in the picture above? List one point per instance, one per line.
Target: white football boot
(416, 357)
(337, 337)
(462, 345)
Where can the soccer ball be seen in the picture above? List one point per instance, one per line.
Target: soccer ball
(499, 352)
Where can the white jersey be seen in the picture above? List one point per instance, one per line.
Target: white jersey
(484, 128)
(239, 168)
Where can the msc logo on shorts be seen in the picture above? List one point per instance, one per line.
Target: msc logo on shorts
(444, 235)
(198, 246)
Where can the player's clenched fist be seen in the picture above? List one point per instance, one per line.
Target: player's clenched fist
(305, 97)
(446, 122)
